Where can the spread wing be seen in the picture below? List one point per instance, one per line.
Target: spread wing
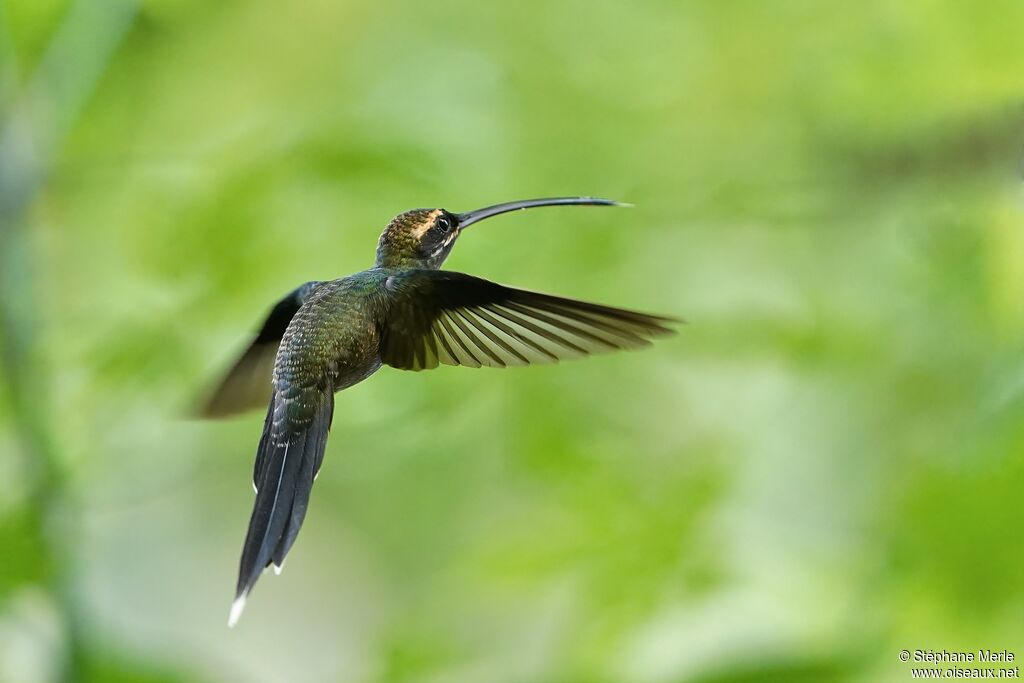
(437, 317)
(247, 384)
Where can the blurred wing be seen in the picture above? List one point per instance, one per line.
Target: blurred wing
(247, 384)
(443, 317)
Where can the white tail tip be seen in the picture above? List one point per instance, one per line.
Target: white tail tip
(278, 568)
(236, 610)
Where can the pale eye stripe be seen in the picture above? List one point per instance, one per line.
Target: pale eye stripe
(512, 332)
(448, 322)
(480, 344)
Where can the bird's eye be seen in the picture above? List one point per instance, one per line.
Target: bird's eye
(444, 223)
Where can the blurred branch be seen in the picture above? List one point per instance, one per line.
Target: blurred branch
(986, 143)
(34, 128)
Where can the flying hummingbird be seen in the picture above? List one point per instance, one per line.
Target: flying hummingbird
(404, 312)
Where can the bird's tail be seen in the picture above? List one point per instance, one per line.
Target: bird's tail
(287, 461)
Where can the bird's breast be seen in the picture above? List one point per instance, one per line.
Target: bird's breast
(333, 337)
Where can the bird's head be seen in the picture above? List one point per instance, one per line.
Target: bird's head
(423, 238)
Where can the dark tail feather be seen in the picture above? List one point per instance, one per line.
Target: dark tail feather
(286, 463)
(316, 443)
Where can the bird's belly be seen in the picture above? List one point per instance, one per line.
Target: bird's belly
(354, 373)
(332, 339)
(357, 355)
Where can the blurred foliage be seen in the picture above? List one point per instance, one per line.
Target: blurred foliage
(820, 470)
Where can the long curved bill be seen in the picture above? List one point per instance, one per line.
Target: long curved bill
(468, 218)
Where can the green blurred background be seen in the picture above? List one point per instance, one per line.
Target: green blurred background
(821, 469)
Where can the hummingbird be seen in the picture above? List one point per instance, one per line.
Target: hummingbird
(404, 312)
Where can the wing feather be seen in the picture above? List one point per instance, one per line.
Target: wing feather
(441, 317)
(247, 384)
